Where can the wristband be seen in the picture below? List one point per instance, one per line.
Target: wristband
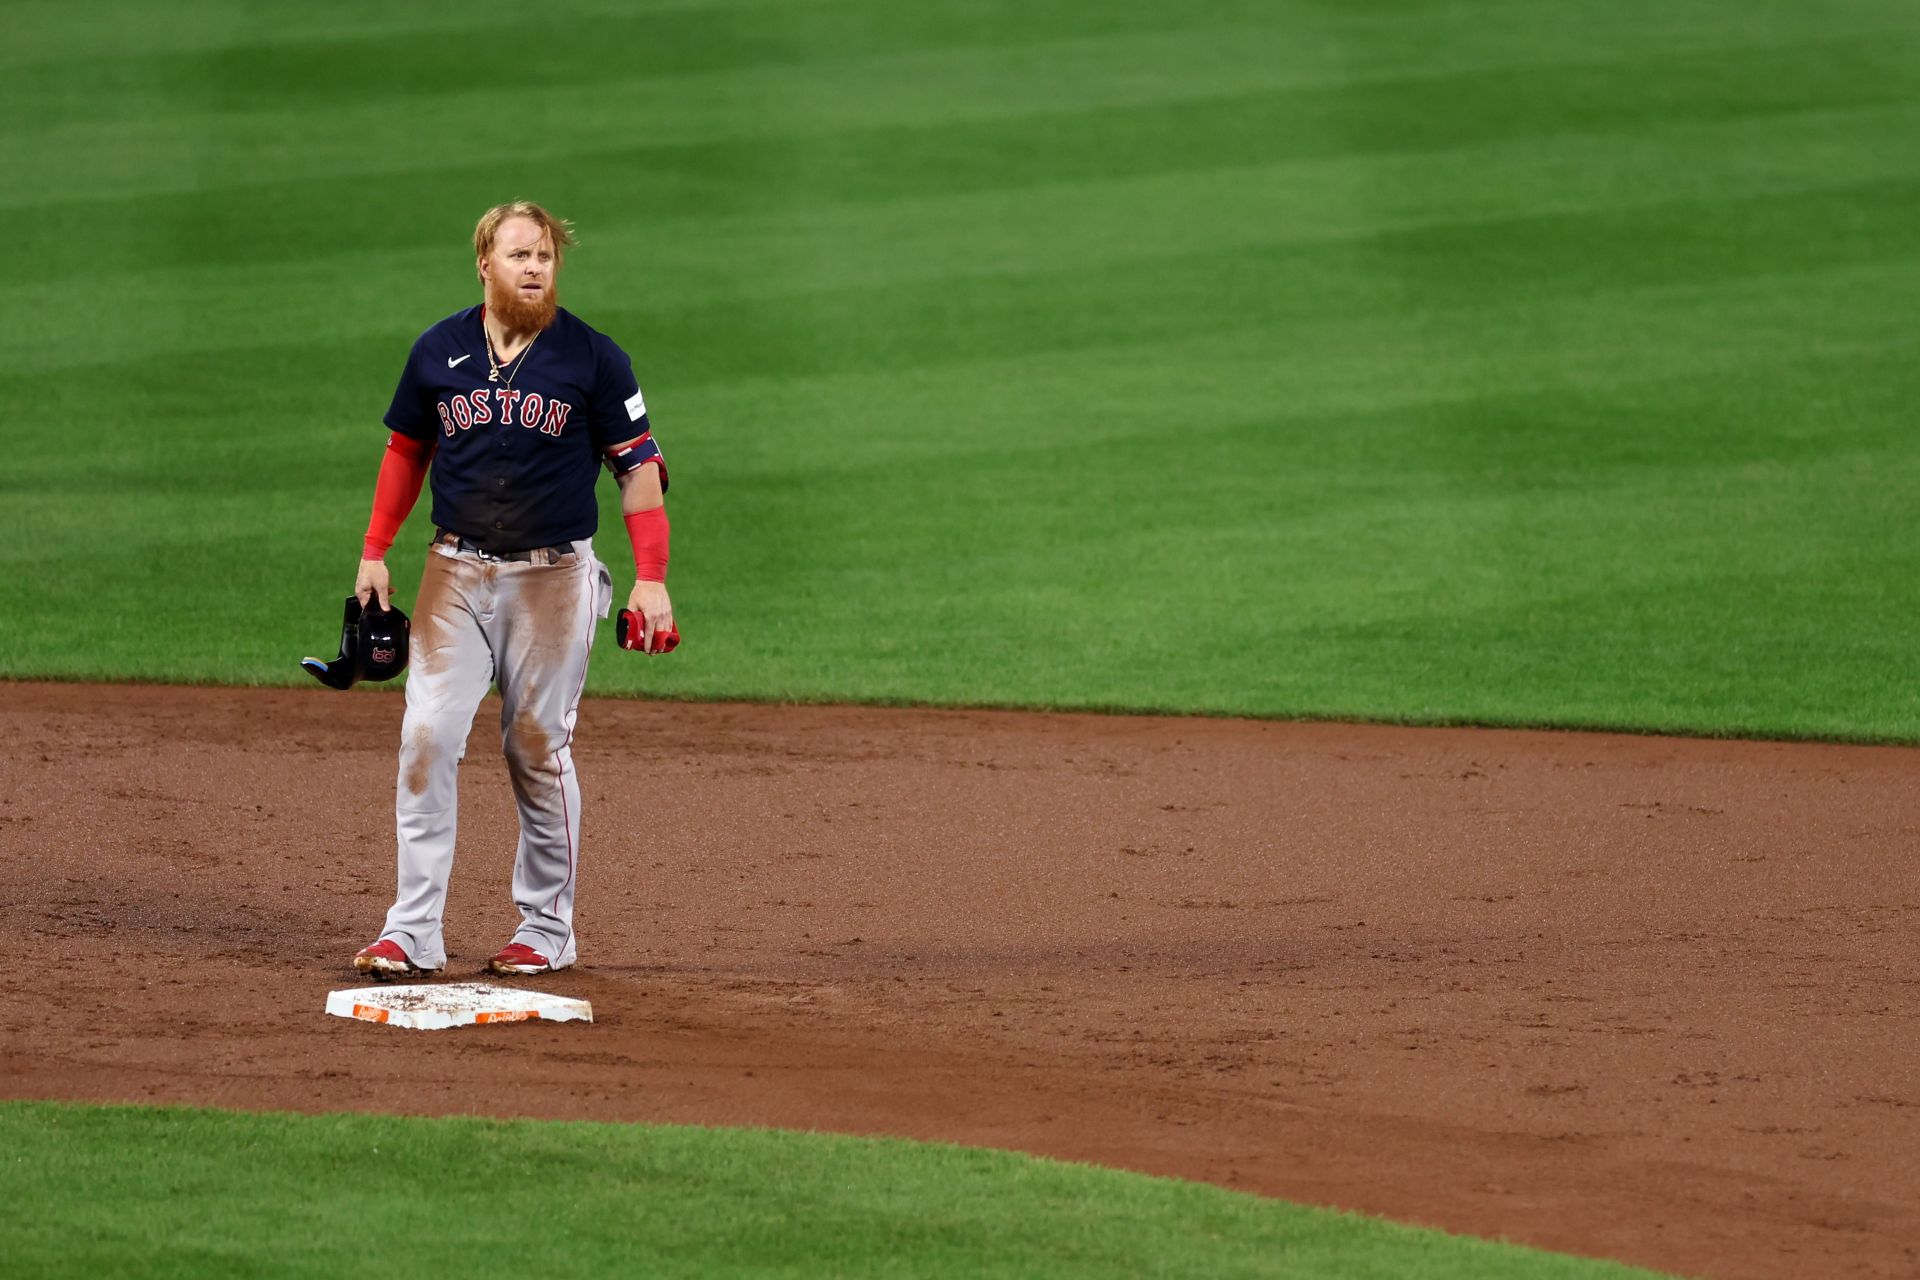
(648, 530)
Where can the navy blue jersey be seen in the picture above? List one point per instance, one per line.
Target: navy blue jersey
(514, 469)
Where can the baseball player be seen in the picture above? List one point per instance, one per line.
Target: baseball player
(512, 406)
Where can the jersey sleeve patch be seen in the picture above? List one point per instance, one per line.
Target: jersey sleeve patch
(636, 406)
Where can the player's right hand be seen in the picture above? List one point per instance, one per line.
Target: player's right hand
(373, 581)
(634, 630)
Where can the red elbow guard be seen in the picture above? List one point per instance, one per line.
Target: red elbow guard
(402, 471)
(648, 529)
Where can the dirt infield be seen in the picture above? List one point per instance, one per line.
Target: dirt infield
(1650, 999)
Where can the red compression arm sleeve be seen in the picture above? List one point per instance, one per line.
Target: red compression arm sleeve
(648, 529)
(402, 471)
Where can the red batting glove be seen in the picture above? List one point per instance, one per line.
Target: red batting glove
(630, 627)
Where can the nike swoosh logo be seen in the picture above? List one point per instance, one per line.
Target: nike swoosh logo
(454, 360)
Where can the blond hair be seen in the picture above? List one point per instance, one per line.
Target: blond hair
(488, 228)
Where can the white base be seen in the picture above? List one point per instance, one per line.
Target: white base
(431, 1006)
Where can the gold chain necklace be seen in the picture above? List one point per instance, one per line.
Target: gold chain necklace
(516, 364)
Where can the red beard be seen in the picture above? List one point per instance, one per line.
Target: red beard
(516, 314)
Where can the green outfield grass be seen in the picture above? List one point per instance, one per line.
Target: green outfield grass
(88, 1191)
(1506, 362)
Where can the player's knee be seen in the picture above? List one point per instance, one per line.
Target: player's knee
(427, 741)
(529, 745)
(527, 754)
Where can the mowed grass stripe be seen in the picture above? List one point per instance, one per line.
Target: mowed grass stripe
(157, 151)
(183, 151)
(206, 424)
(1058, 225)
(1416, 339)
(323, 72)
(1393, 118)
(1836, 66)
(49, 33)
(239, 59)
(52, 32)
(1418, 329)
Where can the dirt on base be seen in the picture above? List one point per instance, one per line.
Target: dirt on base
(1644, 998)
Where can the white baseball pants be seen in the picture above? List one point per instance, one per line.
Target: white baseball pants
(530, 626)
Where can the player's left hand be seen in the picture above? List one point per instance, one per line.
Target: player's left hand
(654, 610)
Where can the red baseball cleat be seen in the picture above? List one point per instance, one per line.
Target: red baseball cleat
(518, 958)
(385, 959)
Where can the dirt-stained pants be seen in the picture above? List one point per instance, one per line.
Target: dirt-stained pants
(529, 626)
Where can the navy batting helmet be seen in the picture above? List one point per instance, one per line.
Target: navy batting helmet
(373, 646)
